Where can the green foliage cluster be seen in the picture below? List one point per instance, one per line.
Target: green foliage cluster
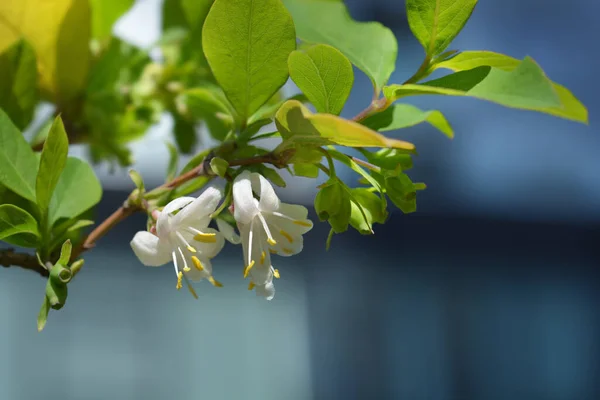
(223, 67)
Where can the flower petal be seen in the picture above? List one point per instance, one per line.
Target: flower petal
(150, 250)
(163, 225)
(268, 199)
(267, 290)
(200, 208)
(245, 206)
(228, 232)
(199, 271)
(206, 248)
(294, 211)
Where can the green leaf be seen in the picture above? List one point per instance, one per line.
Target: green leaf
(401, 116)
(185, 134)
(324, 74)
(59, 32)
(402, 192)
(247, 44)
(299, 126)
(43, 315)
(306, 170)
(435, 23)
(570, 107)
(272, 175)
(52, 163)
(104, 15)
(390, 159)
(17, 226)
(173, 162)
(77, 190)
(525, 87)
(373, 210)
(205, 104)
(137, 179)
(18, 163)
(268, 110)
(65, 253)
(18, 86)
(369, 45)
(219, 166)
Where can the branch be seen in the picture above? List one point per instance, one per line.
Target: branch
(8, 258)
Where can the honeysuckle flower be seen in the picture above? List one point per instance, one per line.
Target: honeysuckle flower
(267, 226)
(183, 236)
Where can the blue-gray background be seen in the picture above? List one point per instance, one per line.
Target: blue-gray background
(490, 291)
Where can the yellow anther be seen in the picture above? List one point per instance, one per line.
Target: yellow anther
(271, 241)
(263, 255)
(197, 263)
(191, 249)
(287, 236)
(272, 251)
(276, 273)
(302, 223)
(287, 251)
(179, 278)
(186, 269)
(206, 237)
(214, 282)
(248, 268)
(251, 285)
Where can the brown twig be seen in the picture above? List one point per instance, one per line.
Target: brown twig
(8, 257)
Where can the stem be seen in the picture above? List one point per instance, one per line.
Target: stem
(421, 73)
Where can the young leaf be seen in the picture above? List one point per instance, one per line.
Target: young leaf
(77, 190)
(17, 226)
(59, 32)
(525, 87)
(373, 208)
(18, 163)
(369, 45)
(402, 192)
(324, 74)
(298, 125)
(570, 108)
(52, 163)
(435, 23)
(65, 253)
(306, 170)
(104, 15)
(205, 104)
(137, 180)
(18, 87)
(401, 116)
(43, 315)
(173, 162)
(185, 133)
(247, 43)
(332, 204)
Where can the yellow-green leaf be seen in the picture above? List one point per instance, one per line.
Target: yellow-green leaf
(59, 32)
(525, 87)
(324, 74)
(570, 108)
(298, 125)
(401, 116)
(435, 23)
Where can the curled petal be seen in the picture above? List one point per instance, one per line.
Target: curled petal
(201, 207)
(245, 206)
(268, 199)
(150, 250)
(228, 232)
(163, 224)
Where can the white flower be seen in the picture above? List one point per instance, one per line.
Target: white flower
(183, 236)
(267, 227)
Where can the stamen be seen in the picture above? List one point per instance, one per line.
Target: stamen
(191, 249)
(263, 255)
(270, 239)
(287, 236)
(214, 282)
(272, 251)
(287, 251)
(192, 291)
(248, 268)
(251, 285)
(197, 263)
(185, 266)
(276, 273)
(185, 242)
(179, 278)
(302, 223)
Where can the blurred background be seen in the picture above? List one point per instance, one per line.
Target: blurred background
(490, 291)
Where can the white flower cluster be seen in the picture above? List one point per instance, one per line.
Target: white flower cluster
(266, 225)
